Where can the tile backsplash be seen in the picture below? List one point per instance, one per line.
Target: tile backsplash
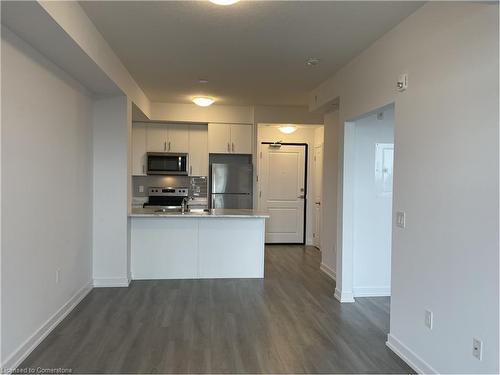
(197, 185)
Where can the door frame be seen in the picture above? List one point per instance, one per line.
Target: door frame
(315, 147)
(306, 159)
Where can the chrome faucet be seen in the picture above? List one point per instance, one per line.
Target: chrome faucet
(184, 204)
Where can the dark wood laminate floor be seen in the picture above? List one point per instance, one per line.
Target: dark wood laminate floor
(287, 323)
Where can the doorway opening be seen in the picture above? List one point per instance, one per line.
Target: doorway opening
(367, 202)
(286, 183)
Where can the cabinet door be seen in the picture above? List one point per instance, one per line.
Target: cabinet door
(198, 150)
(138, 150)
(156, 138)
(219, 138)
(241, 139)
(177, 138)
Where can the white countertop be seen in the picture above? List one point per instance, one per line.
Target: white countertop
(214, 213)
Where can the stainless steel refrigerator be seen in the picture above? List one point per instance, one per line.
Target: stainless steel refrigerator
(231, 185)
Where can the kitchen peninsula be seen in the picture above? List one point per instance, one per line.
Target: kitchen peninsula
(219, 243)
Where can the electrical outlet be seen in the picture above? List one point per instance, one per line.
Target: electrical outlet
(141, 189)
(477, 348)
(429, 317)
(401, 219)
(58, 276)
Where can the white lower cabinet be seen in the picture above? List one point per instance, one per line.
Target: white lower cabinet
(164, 249)
(196, 248)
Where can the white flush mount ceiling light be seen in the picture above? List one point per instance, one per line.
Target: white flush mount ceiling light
(224, 2)
(287, 129)
(203, 101)
(312, 61)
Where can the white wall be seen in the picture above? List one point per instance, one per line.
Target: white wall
(46, 196)
(303, 134)
(446, 177)
(232, 114)
(112, 122)
(73, 20)
(372, 210)
(329, 223)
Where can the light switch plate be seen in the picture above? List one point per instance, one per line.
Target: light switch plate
(141, 189)
(401, 219)
(429, 319)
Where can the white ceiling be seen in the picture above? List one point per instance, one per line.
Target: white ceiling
(251, 52)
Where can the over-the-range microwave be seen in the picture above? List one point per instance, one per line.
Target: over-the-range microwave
(167, 163)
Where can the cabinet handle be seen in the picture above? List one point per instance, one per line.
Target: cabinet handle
(168, 145)
(165, 146)
(228, 149)
(190, 169)
(233, 146)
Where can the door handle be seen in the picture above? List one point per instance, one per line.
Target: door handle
(228, 147)
(165, 146)
(168, 145)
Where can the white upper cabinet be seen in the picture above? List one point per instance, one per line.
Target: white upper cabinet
(198, 150)
(138, 150)
(177, 138)
(230, 138)
(241, 139)
(167, 138)
(156, 138)
(219, 136)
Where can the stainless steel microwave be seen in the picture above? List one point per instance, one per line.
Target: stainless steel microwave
(167, 163)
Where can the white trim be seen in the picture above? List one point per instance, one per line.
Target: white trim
(343, 297)
(364, 291)
(20, 354)
(116, 282)
(328, 271)
(407, 355)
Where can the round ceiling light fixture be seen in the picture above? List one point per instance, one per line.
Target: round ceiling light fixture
(287, 129)
(203, 101)
(312, 61)
(224, 2)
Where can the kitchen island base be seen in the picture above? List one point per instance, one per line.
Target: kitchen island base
(197, 247)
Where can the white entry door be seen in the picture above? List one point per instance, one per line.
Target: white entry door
(318, 174)
(282, 192)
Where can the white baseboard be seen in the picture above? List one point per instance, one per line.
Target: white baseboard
(329, 272)
(20, 354)
(407, 355)
(344, 297)
(371, 292)
(117, 282)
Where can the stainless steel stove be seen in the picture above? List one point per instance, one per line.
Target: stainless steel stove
(167, 198)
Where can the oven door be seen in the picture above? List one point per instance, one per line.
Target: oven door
(167, 164)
